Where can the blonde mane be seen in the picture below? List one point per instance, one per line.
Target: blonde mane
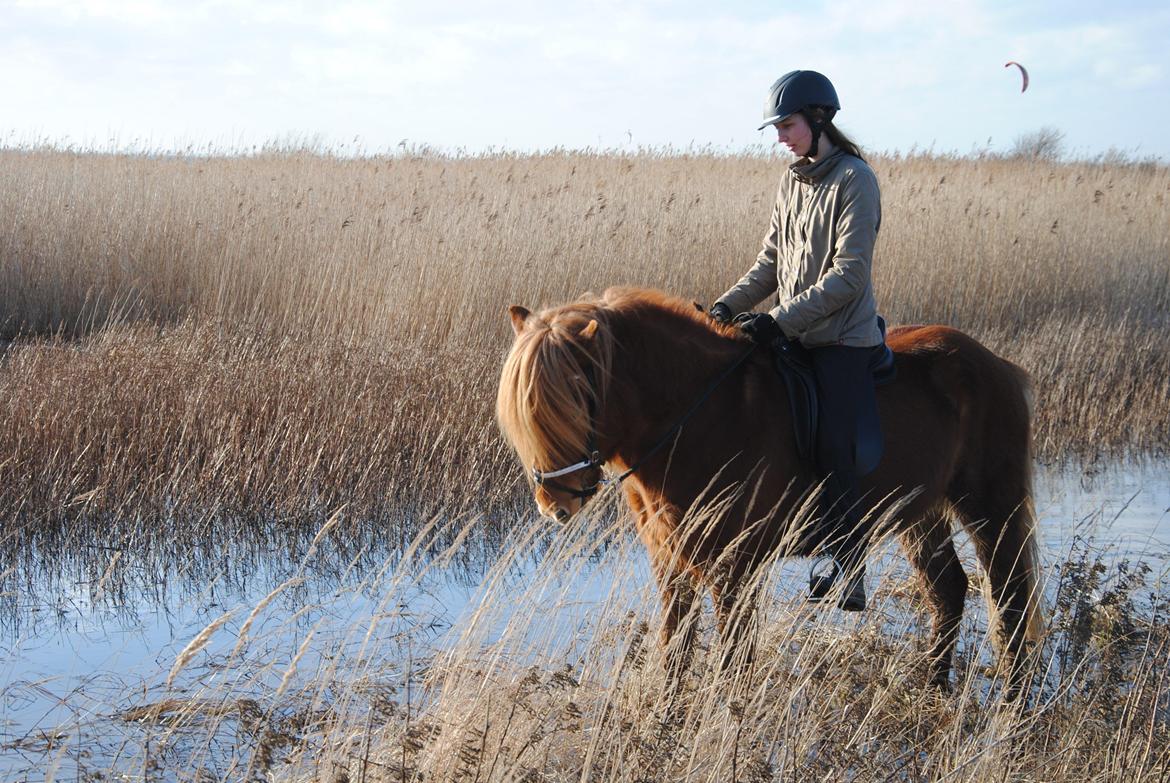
(543, 399)
(544, 395)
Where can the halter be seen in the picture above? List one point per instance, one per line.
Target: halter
(594, 460)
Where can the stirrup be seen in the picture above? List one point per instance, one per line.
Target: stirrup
(823, 576)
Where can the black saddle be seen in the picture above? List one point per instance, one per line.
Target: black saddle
(794, 365)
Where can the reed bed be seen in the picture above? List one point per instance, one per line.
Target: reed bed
(430, 247)
(229, 342)
(550, 672)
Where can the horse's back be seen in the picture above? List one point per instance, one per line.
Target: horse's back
(951, 400)
(960, 366)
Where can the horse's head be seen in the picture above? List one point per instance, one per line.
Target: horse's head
(551, 395)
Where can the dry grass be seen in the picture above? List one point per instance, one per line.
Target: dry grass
(429, 248)
(268, 338)
(212, 351)
(551, 674)
(205, 359)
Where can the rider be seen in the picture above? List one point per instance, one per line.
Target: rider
(816, 257)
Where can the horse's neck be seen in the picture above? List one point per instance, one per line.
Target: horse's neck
(661, 368)
(662, 353)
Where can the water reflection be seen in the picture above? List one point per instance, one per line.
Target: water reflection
(1123, 509)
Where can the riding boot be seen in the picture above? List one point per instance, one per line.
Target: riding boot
(843, 533)
(824, 574)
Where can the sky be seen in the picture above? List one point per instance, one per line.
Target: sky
(366, 75)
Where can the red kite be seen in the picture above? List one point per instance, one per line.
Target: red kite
(1023, 72)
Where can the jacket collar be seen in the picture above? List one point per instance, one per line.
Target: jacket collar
(813, 172)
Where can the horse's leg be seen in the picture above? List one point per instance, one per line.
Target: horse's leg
(677, 635)
(676, 588)
(1001, 527)
(930, 547)
(735, 613)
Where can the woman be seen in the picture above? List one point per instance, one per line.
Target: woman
(816, 259)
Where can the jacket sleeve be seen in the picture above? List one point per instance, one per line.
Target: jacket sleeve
(847, 277)
(760, 280)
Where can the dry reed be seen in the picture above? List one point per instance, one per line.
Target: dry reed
(268, 338)
(550, 673)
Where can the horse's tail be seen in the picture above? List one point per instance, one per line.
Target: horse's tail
(1024, 521)
(1003, 518)
(1035, 619)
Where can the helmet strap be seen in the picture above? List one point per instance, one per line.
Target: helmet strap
(816, 118)
(816, 123)
(816, 137)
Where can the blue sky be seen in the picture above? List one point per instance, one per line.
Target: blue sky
(612, 73)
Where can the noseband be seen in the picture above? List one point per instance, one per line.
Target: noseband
(594, 460)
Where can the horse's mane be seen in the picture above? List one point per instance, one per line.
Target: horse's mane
(544, 395)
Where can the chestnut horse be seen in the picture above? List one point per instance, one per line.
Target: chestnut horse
(603, 380)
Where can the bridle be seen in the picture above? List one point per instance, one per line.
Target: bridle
(592, 460)
(593, 455)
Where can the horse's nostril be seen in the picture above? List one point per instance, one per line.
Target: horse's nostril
(562, 515)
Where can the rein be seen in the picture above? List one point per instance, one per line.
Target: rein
(594, 460)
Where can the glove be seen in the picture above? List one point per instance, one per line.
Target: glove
(720, 313)
(761, 327)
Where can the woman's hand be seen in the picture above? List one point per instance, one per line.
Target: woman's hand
(761, 327)
(720, 313)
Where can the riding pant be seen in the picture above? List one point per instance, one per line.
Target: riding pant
(844, 387)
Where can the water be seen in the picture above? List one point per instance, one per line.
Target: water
(76, 664)
(1125, 510)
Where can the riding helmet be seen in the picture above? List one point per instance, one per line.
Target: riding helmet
(796, 91)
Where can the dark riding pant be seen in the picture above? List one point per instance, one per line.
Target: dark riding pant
(844, 387)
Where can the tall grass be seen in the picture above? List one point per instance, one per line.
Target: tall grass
(245, 344)
(430, 247)
(205, 359)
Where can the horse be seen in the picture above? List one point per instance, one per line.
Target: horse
(598, 385)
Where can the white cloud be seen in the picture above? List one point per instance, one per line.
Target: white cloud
(140, 14)
(545, 75)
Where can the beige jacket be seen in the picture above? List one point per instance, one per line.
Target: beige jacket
(818, 253)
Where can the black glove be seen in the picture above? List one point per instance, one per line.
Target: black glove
(720, 313)
(761, 327)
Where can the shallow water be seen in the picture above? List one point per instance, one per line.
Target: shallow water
(76, 663)
(1123, 509)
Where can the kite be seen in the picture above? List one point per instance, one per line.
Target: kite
(1023, 72)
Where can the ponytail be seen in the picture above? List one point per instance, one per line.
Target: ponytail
(840, 140)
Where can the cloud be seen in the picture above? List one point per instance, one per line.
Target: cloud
(468, 73)
(1121, 53)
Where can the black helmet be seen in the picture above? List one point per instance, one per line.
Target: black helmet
(796, 91)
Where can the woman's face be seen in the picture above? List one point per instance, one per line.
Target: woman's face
(794, 133)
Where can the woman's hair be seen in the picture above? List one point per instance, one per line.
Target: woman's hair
(839, 139)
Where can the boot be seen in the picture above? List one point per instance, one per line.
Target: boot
(842, 537)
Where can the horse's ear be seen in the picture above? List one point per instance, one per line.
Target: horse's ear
(519, 315)
(589, 330)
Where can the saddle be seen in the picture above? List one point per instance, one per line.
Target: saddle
(794, 365)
